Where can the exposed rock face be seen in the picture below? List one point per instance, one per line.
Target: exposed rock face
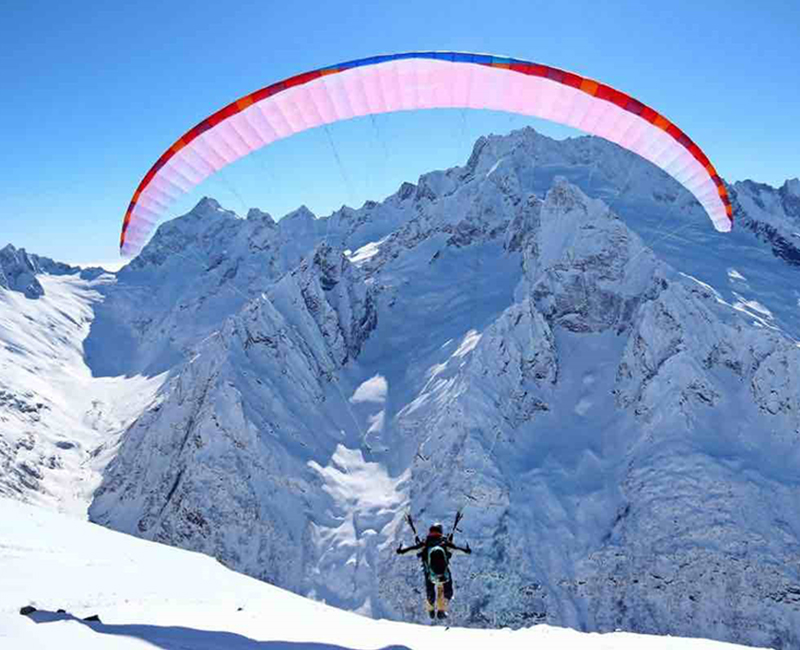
(18, 272)
(773, 215)
(240, 424)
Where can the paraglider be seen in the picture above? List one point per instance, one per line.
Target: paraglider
(435, 552)
(411, 81)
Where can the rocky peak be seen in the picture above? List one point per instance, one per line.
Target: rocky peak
(790, 195)
(18, 272)
(254, 214)
(587, 270)
(772, 214)
(207, 207)
(204, 228)
(406, 191)
(792, 187)
(300, 215)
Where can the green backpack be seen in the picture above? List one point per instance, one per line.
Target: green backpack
(438, 565)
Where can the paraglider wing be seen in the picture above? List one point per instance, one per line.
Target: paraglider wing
(411, 81)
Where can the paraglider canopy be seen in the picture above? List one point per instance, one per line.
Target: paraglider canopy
(411, 81)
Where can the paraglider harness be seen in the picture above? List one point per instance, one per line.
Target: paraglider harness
(434, 551)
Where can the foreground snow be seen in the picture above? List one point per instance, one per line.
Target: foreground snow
(153, 596)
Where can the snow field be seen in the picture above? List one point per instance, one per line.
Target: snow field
(148, 595)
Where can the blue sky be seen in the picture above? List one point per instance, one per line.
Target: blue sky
(93, 92)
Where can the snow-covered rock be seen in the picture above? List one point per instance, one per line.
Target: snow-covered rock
(773, 215)
(241, 424)
(18, 272)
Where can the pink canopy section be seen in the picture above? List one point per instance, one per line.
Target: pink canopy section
(415, 81)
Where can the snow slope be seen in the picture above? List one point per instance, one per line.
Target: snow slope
(55, 416)
(149, 595)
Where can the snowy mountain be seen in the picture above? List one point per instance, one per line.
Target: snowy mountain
(19, 271)
(54, 415)
(551, 336)
(149, 595)
(774, 215)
